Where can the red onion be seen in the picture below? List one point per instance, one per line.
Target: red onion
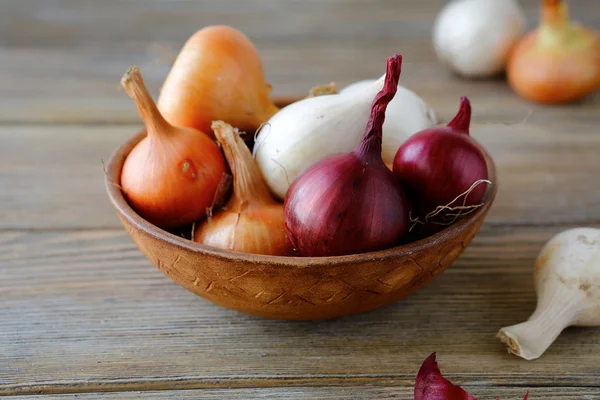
(431, 384)
(443, 170)
(350, 203)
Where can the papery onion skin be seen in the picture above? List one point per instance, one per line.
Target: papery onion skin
(251, 221)
(170, 177)
(437, 165)
(350, 203)
(178, 192)
(259, 231)
(557, 63)
(431, 384)
(218, 75)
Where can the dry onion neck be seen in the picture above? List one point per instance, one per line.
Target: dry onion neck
(461, 122)
(134, 85)
(555, 13)
(370, 146)
(556, 28)
(248, 186)
(170, 177)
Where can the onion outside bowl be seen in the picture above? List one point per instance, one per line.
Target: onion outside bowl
(296, 288)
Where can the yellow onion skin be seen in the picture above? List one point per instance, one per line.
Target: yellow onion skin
(557, 63)
(555, 76)
(172, 182)
(251, 221)
(171, 176)
(218, 75)
(259, 231)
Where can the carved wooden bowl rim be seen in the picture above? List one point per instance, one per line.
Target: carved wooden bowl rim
(459, 228)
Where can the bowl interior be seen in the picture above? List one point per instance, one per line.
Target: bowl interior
(112, 181)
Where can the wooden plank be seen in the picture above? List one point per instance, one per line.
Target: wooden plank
(71, 23)
(357, 392)
(54, 179)
(82, 87)
(68, 23)
(86, 47)
(84, 311)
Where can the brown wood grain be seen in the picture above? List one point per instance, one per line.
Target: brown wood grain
(345, 393)
(82, 87)
(81, 310)
(61, 62)
(84, 311)
(54, 174)
(81, 23)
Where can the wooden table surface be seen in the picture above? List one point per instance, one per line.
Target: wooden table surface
(84, 314)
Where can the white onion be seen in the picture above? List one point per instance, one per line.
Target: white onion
(406, 115)
(475, 37)
(567, 283)
(306, 131)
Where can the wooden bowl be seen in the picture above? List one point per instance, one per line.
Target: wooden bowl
(295, 288)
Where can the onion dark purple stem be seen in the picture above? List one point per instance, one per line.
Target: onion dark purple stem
(370, 145)
(462, 121)
(350, 203)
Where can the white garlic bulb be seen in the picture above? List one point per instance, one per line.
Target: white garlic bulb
(475, 37)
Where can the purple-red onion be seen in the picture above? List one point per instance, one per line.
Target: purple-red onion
(350, 203)
(443, 167)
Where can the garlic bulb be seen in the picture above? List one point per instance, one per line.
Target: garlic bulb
(307, 131)
(567, 282)
(475, 37)
(406, 115)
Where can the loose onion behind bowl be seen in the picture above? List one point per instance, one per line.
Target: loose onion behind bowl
(296, 288)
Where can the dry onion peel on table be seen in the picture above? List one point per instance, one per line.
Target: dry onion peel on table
(431, 385)
(567, 283)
